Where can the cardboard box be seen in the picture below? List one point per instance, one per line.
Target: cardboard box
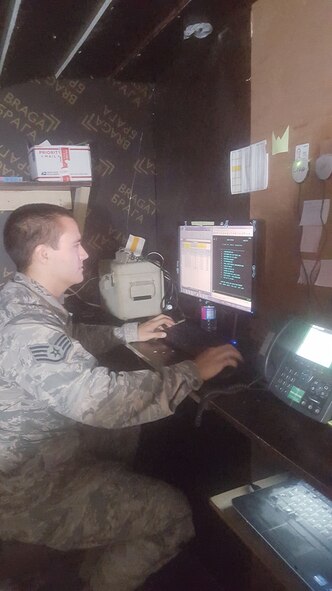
(60, 163)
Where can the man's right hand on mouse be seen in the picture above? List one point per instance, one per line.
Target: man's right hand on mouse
(215, 359)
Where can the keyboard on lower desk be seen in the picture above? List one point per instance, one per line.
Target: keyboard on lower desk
(296, 521)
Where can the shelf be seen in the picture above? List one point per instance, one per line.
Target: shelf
(40, 186)
(304, 446)
(73, 196)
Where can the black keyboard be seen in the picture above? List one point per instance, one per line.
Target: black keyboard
(308, 507)
(296, 521)
(190, 338)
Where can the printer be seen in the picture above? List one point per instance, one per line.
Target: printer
(131, 289)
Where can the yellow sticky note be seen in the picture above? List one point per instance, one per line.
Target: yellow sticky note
(280, 143)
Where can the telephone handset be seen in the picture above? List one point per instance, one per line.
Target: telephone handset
(297, 364)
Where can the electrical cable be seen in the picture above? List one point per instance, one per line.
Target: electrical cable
(171, 296)
(87, 303)
(311, 277)
(155, 252)
(271, 346)
(211, 395)
(305, 273)
(322, 241)
(132, 184)
(75, 293)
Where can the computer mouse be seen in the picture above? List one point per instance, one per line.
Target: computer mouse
(230, 375)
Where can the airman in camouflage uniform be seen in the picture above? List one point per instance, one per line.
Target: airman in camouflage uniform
(50, 491)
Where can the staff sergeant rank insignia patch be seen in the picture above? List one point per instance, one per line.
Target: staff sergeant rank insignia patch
(53, 352)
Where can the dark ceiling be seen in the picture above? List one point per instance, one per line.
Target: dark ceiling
(132, 40)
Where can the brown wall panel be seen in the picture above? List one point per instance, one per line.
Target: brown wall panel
(291, 85)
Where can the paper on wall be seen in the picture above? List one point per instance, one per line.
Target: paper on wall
(249, 168)
(311, 236)
(280, 143)
(314, 211)
(324, 278)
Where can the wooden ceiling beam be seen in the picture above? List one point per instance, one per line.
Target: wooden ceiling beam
(150, 36)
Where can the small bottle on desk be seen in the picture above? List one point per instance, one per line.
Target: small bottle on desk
(208, 318)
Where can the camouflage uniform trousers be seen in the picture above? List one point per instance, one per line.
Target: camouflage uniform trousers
(130, 525)
(149, 524)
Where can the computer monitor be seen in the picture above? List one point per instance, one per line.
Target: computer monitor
(218, 264)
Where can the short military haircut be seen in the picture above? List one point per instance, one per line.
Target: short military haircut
(31, 225)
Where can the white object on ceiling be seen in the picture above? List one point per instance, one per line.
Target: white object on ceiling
(199, 30)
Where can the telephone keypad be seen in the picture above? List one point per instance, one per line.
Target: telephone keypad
(302, 384)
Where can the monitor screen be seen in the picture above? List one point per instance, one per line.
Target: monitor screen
(217, 263)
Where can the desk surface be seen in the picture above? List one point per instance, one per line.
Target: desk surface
(304, 445)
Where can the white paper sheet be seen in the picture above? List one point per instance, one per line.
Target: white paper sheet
(310, 238)
(249, 168)
(324, 278)
(311, 215)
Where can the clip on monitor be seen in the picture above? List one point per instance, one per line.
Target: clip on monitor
(217, 263)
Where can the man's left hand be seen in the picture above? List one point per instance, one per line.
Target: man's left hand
(152, 329)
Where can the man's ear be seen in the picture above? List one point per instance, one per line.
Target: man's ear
(41, 254)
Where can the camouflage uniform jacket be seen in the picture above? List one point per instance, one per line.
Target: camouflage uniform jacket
(49, 383)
